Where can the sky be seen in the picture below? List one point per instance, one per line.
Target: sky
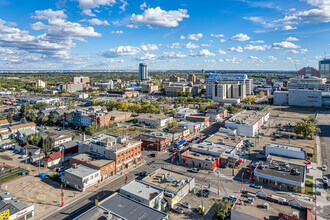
(164, 34)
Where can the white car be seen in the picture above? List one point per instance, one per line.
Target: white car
(325, 179)
(324, 168)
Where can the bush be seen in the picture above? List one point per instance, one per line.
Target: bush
(54, 176)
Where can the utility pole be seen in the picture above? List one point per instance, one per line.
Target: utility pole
(25, 156)
(315, 200)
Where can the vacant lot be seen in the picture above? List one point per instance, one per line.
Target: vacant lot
(291, 112)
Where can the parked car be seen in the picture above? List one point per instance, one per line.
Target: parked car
(324, 168)
(325, 179)
(179, 210)
(194, 170)
(153, 155)
(168, 194)
(186, 205)
(239, 162)
(143, 173)
(256, 186)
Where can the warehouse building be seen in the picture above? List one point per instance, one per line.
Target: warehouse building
(285, 151)
(153, 142)
(153, 120)
(248, 123)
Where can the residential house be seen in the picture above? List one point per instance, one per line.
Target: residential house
(52, 159)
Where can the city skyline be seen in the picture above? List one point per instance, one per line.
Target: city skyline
(185, 35)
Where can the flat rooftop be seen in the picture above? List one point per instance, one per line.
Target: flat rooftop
(199, 156)
(81, 171)
(93, 159)
(289, 160)
(122, 207)
(248, 117)
(177, 129)
(153, 179)
(153, 117)
(257, 210)
(141, 189)
(285, 147)
(149, 137)
(270, 170)
(212, 148)
(118, 113)
(224, 139)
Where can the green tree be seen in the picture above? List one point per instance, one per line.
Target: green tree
(44, 119)
(176, 105)
(64, 91)
(172, 124)
(47, 145)
(251, 99)
(10, 118)
(220, 209)
(306, 127)
(53, 118)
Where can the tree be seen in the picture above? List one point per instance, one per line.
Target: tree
(261, 94)
(306, 127)
(251, 99)
(10, 118)
(47, 145)
(44, 119)
(172, 124)
(53, 118)
(176, 105)
(220, 209)
(64, 91)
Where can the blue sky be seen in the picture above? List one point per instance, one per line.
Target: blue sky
(165, 34)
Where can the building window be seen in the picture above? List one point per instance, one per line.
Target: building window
(102, 170)
(118, 162)
(107, 168)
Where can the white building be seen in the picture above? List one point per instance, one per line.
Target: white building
(143, 72)
(81, 96)
(106, 85)
(192, 126)
(81, 177)
(300, 97)
(40, 84)
(308, 83)
(248, 123)
(14, 209)
(184, 112)
(156, 120)
(285, 151)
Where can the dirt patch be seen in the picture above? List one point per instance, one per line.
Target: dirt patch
(6, 157)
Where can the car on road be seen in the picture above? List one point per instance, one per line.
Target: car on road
(153, 155)
(204, 193)
(194, 170)
(179, 210)
(256, 186)
(143, 173)
(61, 169)
(168, 194)
(324, 168)
(239, 162)
(186, 205)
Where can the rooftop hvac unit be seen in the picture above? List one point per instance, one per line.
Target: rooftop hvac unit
(277, 167)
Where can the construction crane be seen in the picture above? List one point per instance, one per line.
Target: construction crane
(295, 65)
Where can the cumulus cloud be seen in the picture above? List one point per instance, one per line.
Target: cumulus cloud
(292, 39)
(284, 44)
(121, 51)
(204, 53)
(147, 56)
(271, 58)
(132, 26)
(123, 6)
(159, 17)
(192, 36)
(172, 55)
(222, 40)
(256, 47)
(174, 45)
(57, 40)
(258, 42)
(303, 50)
(232, 60)
(288, 27)
(294, 51)
(241, 37)
(95, 21)
(146, 47)
(205, 45)
(236, 49)
(217, 35)
(87, 5)
(253, 58)
(143, 6)
(117, 32)
(222, 51)
(190, 45)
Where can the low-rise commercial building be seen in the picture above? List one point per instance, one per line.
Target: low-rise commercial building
(181, 131)
(282, 175)
(199, 118)
(14, 209)
(200, 160)
(107, 167)
(184, 112)
(144, 193)
(215, 113)
(285, 151)
(81, 177)
(154, 120)
(248, 123)
(171, 182)
(174, 90)
(153, 142)
(148, 88)
(123, 94)
(193, 127)
(119, 116)
(120, 207)
(126, 152)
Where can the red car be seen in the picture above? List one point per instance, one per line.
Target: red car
(239, 162)
(153, 155)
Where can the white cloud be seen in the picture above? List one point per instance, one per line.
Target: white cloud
(217, 35)
(174, 45)
(159, 17)
(292, 39)
(204, 53)
(232, 60)
(95, 21)
(271, 58)
(222, 51)
(147, 47)
(132, 26)
(303, 50)
(192, 36)
(210, 61)
(147, 56)
(258, 42)
(222, 40)
(117, 32)
(123, 6)
(285, 44)
(49, 14)
(289, 58)
(294, 51)
(253, 58)
(288, 27)
(241, 37)
(87, 5)
(236, 49)
(205, 45)
(256, 47)
(190, 45)
(172, 55)
(143, 6)
(121, 51)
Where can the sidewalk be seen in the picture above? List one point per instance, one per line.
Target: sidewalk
(86, 193)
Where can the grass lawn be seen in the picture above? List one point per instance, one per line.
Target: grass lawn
(309, 188)
(309, 177)
(11, 176)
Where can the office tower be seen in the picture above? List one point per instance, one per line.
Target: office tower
(324, 68)
(143, 72)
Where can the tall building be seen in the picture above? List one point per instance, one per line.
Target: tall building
(228, 92)
(310, 83)
(174, 79)
(241, 79)
(324, 68)
(192, 78)
(81, 79)
(40, 84)
(143, 72)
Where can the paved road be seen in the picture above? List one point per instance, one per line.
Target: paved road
(324, 124)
